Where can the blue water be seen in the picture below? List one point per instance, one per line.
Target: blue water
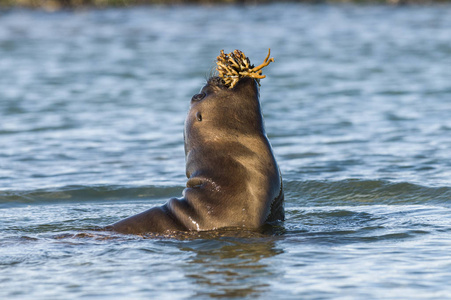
(357, 107)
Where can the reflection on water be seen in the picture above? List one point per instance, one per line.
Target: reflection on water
(231, 267)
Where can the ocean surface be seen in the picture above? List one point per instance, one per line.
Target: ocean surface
(357, 106)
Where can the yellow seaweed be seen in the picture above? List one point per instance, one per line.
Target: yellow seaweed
(235, 65)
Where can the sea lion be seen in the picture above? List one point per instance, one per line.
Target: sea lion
(233, 177)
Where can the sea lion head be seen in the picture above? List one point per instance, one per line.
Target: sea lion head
(221, 113)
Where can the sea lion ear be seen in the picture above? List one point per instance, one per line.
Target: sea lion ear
(247, 85)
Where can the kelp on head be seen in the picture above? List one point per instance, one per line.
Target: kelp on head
(235, 65)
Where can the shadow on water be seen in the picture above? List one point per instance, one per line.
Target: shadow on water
(231, 267)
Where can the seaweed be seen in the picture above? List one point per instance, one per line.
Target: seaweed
(235, 65)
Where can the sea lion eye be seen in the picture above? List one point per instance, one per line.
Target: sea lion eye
(198, 97)
(198, 116)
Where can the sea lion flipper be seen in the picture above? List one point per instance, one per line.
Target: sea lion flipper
(156, 219)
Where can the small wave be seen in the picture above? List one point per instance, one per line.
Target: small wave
(88, 193)
(305, 193)
(363, 192)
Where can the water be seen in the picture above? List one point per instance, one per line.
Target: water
(357, 107)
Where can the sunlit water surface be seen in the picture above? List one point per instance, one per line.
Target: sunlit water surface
(357, 107)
